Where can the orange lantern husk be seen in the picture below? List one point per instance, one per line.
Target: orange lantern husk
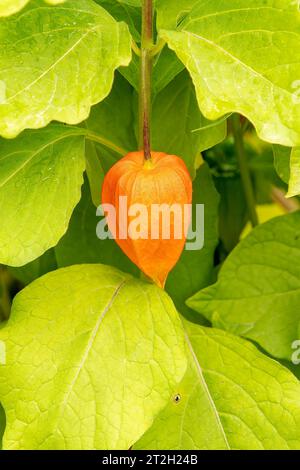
(140, 227)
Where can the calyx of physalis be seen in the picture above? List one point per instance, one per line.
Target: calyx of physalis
(152, 210)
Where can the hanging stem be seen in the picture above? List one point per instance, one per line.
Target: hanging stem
(244, 168)
(145, 77)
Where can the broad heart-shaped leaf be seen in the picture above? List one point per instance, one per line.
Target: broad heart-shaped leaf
(244, 56)
(287, 164)
(178, 127)
(93, 355)
(258, 290)
(81, 245)
(232, 396)
(194, 270)
(41, 173)
(56, 62)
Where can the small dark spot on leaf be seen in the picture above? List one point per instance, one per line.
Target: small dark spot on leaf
(177, 398)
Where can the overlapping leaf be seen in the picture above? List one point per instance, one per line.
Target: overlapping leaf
(194, 270)
(287, 164)
(231, 397)
(258, 290)
(92, 357)
(185, 131)
(245, 57)
(57, 62)
(41, 173)
(81, 245)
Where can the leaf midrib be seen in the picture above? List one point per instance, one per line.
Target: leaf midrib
(86, 351)
(37, 152)
(238, 61)
(206, 389)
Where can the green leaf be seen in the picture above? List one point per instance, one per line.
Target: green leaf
(282, 161)
(112, 120)
(258, 289)
(232, 396)
(94, 172)
(294, 181)
(166, 66)
(124, 12)
(244, 57)
(8, 7)
(287, 164)
(179, 127)
(170, 13)
(55, 63)
(81, 245)
(40, 266)
(194, 270)
(41, 173)
(93, 356)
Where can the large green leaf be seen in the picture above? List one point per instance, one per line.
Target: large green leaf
(179, 127)
(258, 291)
(92, 357)
(41, 173)
(245, 57)
(81, 245)
(194, 270)
(232, 396)
(57, 62)
(287, 164)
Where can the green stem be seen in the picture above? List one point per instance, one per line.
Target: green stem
(107, 143)
(244, 168)
(157, 48)
(135, 48)
(145, 78)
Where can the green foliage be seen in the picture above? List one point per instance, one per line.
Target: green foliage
(232, 396)
(186, 278)
(257, 293)
(45, 71)
(41, 173)
(286, 162)
(90, 362)
(188, 133)
(219, 45)
(95, 357)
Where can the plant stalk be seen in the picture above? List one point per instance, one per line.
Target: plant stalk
(145, 78)
(244, 168)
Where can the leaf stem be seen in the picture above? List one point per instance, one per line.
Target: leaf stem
(135, 48)
(244, 168)
(157, 48)
(145, 78)
(107, 143)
